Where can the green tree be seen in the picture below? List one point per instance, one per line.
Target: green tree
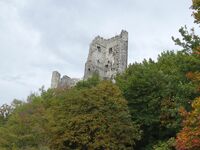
(25, 128)
(189, 41)
(91, 118)
(91, 82)
(165, 145)
(189, 137)
(155, 91)
(94, 116)
(196, 8)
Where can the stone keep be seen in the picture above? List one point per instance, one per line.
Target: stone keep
(107, 57)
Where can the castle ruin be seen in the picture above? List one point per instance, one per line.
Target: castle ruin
(107, 58)
(64, 82)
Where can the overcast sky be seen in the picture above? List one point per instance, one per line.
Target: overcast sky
(40, 36)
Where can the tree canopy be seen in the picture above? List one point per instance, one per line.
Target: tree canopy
(86, 118)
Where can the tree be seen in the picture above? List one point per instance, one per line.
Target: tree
(5, 111)
(91, 118)
(91, 82)
(155, 91)
(165, 145)
(189, 42)
(189, 137)
(84, 117)
(196, 12)
(25, 127)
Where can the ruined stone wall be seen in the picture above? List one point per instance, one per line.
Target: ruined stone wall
(64, 82)
(107, 57)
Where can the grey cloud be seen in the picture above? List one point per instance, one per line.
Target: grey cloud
(37, 37)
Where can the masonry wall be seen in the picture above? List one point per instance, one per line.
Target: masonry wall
(107, 57)
(64, 82)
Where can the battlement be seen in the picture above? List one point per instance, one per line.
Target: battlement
(123, 35)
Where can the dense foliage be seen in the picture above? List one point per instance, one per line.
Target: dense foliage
(77, 118)
(189, 136)
(156, 90)
(196, 8)
(95, 118)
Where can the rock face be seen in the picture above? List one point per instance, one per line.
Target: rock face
(65, 81)
(107, 57)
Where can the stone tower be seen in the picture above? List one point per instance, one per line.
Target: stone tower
(107, 57)
(55, 79)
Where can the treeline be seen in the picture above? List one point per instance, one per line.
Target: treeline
(154, 105)
(92, 115)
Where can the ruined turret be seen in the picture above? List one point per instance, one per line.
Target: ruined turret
(64, 82)
(55, 80)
